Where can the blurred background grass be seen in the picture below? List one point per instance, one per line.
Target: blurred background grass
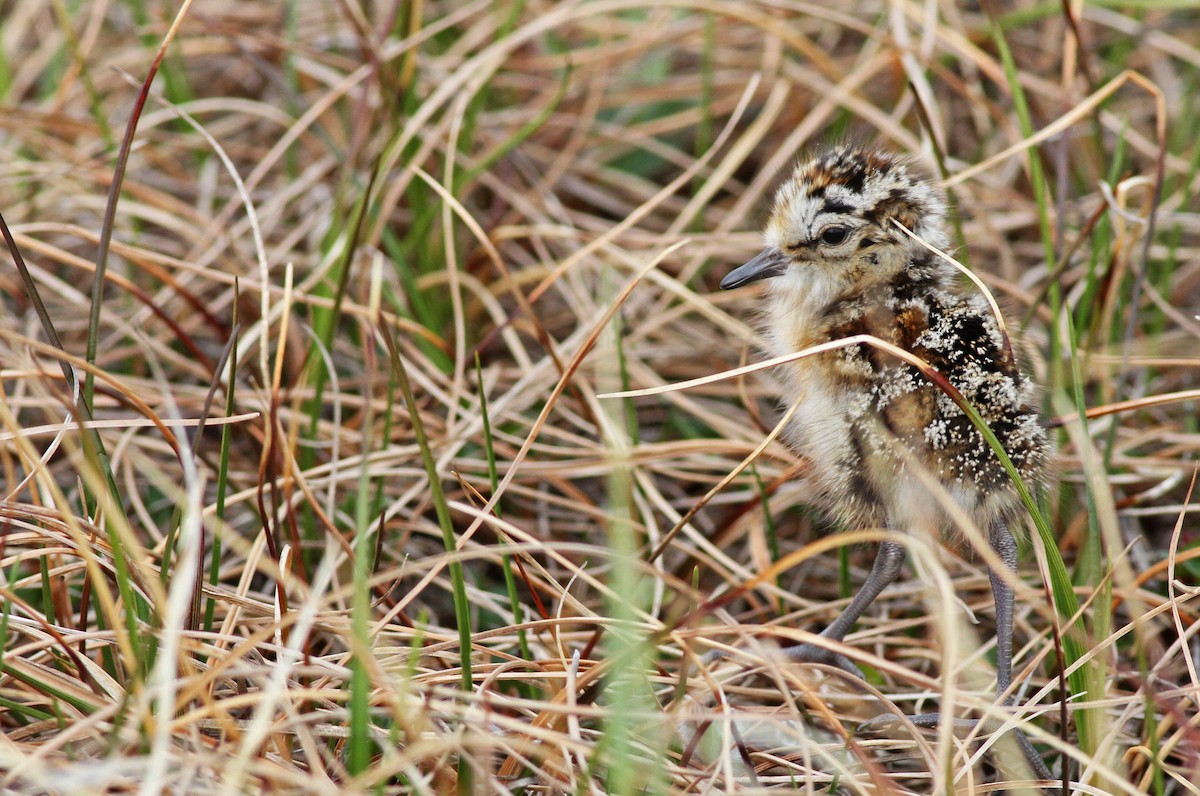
(367, 269)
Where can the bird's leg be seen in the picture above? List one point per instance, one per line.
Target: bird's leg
(1005, 546)
(1002, 594)
(888, 562)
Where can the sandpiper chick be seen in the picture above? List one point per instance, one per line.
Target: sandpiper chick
(875, 431)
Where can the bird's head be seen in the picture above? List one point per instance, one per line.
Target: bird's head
(837, 214)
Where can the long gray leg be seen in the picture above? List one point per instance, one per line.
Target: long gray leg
(1005, 546)
(888, 563)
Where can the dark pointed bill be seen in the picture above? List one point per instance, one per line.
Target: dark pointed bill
(768, 263)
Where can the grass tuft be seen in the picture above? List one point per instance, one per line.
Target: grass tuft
(323, 332)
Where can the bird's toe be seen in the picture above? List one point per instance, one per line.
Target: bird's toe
(811, 653)
(887, 724)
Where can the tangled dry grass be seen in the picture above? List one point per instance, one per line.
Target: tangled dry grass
(348, 245)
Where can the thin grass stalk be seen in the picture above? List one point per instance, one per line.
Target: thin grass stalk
(193, 447)
(291, 77)
(6, 606)
(222, 482)
(325, 321)
(114, 195)
(6, 73)
(380, 497)
(772, 532)
(625, 684)
(1037, 175)
(514, 10)
(63, 17)
(462, 611)
(359, 744)
(47, 591)
(409, 23)
(1102, 249)
(519, 137)
(510, 581)
(706, 125)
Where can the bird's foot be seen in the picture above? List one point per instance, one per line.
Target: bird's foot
(811, 653)
(801, 653)
(885, 723)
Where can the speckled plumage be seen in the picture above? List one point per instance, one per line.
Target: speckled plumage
(866, 418)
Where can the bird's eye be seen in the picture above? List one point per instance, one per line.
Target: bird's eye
(832, 236)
